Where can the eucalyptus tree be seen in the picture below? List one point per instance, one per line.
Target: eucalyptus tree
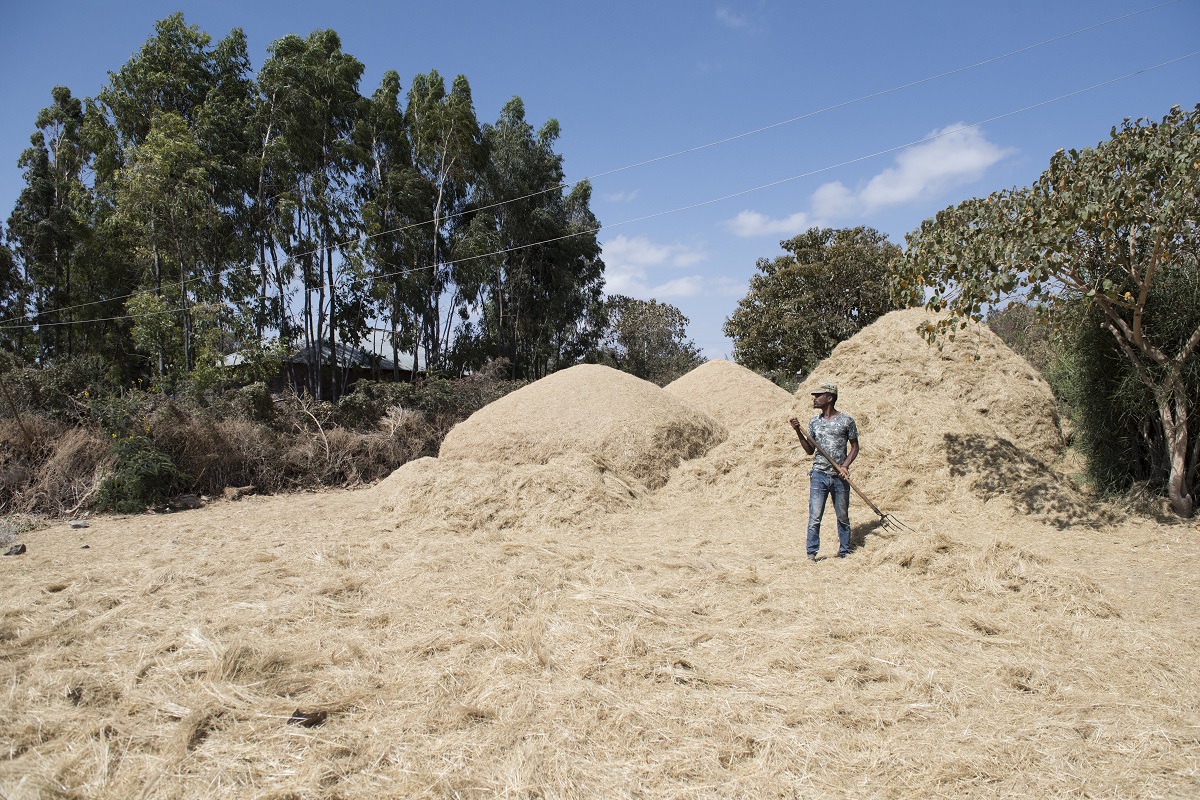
(394, 200)
(829, 285)
(534, 271)
(225, 133)
(13, 292)
(447, 150)
(170, 73)
(176, 114)
(312, 91)
(51, 219)
(1110, 233)
(162, 191)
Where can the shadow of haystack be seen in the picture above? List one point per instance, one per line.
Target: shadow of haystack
(998, 467)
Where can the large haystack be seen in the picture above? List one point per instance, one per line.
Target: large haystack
(971, 420)
(974, 386)
(729, 393)
(623, 424)
(463, 496)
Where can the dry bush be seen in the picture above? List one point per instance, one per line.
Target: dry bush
(59, 476)
(72, 473)
(363, 457)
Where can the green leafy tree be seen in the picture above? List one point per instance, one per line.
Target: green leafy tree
(830, 285)
(447, 150)
(394, 197)
(156, 330)
(532, 268)
(51, 220)
(313, 89)
(173, 171)
(1103, 229)
(163, 195)
(648, 339)
(170, 73)
(12, 296)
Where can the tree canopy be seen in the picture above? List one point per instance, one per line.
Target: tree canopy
(648, 339)
(1110, 234)
(193, 208)
(831, 284)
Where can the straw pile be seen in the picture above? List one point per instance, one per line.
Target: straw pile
(549, 626)
(626, 424)
(729, 393)
(969, 423)
(579, 443)
(444, 495)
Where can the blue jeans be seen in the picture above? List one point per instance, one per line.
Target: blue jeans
(820, 486)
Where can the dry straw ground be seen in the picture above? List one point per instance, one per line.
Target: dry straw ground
(536, 616)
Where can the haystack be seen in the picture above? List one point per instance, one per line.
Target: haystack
(973, 386)
(729, 393)
(972, 420)
(464, 496)
(623, 424)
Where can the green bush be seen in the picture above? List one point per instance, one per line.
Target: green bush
(255, 402)
(60, 391)
(144, 476)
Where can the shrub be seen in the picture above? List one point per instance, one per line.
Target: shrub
(59, 391)
(144, 476)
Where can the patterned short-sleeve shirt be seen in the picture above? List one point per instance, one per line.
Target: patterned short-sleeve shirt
(833, 435)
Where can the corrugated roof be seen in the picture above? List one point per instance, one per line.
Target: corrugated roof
(375, 350)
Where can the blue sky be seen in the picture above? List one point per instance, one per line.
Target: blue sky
(632, 82)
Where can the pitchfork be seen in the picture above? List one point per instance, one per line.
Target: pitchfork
(888, 521)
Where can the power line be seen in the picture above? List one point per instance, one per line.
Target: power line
(810, 173)
(274, 262)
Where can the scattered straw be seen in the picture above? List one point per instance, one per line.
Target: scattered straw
(554, 626)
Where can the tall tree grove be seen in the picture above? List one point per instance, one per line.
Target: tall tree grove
(193, 208)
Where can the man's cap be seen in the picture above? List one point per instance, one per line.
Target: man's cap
(826, 387)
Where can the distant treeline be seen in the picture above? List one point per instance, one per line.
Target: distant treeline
(193, 209)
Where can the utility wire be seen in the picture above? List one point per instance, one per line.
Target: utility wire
(274, 263)
(810, 173)
(876, 154)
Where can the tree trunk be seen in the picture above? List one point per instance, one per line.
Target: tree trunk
(1175, 426)
(333, 355)
(157, 291)
(183, 302)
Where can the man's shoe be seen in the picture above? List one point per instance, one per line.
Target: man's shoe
(812, 559)
(842, 555)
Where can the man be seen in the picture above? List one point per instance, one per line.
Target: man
(837, 435)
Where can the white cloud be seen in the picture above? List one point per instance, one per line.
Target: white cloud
(728, 287)
(641, 251)
(680, 287)
(953, 156)
(958, 155)
(629, 261)
(752, 223)
(833, 201)
(622, 197)
(632, 283)
(730, 19)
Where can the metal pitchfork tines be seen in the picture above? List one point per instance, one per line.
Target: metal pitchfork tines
(887, 521)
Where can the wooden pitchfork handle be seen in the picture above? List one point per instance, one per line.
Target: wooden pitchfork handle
(842, 469)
